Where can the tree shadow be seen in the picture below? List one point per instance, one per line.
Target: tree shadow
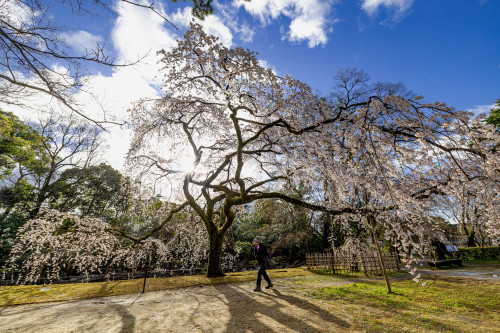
(128, 320)
(245, 311)
(27, 320)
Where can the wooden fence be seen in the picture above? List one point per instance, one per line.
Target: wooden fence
(367, 265)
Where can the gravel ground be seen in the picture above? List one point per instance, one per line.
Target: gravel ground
(218, 308)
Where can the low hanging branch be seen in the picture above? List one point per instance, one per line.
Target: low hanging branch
(251, 133)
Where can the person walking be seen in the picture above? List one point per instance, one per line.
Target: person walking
(263, 258)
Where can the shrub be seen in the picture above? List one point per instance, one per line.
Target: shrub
(246, 250)
(479, 253)
(8, 231)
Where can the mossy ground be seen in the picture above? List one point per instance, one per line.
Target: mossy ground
(14, 295)
(443, 304)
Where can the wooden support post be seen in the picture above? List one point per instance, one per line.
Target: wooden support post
(371, 221)
(364, 264)
(145, 277)
(333, 262)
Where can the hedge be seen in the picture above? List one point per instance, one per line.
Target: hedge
(479, 253)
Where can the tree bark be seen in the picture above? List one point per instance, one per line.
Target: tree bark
(216, 239)
(470, 234)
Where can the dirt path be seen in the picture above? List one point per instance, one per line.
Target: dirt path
(210, 308)
(478, 271)
(219, 308)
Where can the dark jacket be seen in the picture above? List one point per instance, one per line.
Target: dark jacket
(261, 254)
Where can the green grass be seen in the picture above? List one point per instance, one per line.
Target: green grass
(483, 262)
(442, 305)
(450, 305)
(13, 295)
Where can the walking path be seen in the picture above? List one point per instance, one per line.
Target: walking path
(217, 308)
(209, 308)
(476, 271)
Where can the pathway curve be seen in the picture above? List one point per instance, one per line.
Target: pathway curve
(213, 308)
(217, 308)
(478, 271)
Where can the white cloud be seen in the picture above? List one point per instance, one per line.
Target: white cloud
(228, 13)
(212, 25)
(246, 33)
(481, 109)
(371, 7)
(16, 13)
(309, 18)
(82, 41)
(266, 64)
(139, 31)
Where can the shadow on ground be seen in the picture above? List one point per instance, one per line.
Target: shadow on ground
(272, 311)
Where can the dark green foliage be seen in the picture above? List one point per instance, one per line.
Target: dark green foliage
(201, 8)
(479, 253)
(8, 230)
(67, 225)
(89, 191)
(19, 144)
(246, 249)
(494, 117)
(287, 230)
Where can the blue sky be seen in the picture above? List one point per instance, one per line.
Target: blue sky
(446, 50)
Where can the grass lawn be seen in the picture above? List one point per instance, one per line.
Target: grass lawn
(14, 295)
(442, 305)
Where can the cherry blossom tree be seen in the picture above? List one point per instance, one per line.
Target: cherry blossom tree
(56, 242)
(234, 118)
(248, 132)
(474, 196)
(228, 132)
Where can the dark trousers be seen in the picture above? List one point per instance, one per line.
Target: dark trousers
(262, 273)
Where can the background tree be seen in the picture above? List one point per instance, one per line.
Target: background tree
(87, 191)
(36, 58)
(289, 231)
(494, 116)
(61, 144)
(19, 144)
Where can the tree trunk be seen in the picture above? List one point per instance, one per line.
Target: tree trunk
(470, 234)
(214, 268)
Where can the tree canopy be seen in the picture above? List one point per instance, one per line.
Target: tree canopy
(494, 116)
(229, 139)
(249, 132)
(19, 144)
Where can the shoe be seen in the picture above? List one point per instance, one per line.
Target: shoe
(257, 288)
(269, 286)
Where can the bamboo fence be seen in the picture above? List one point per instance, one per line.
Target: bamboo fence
(351, 265)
